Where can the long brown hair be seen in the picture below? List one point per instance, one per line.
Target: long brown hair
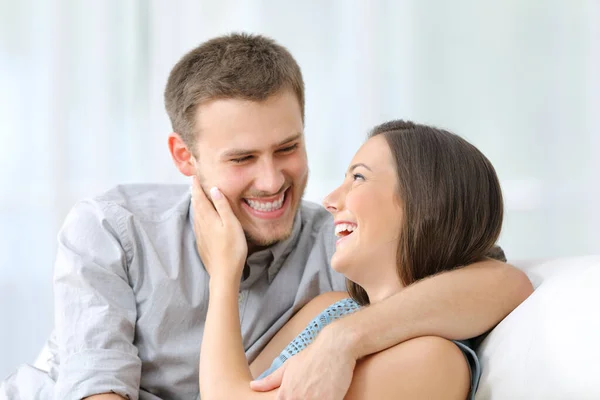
(450, 198)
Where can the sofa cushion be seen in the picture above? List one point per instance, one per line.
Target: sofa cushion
(548, 347)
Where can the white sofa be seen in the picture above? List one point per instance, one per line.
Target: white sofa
(549, 347)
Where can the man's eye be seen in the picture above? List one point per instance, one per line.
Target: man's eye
(358, 177)
(241, 159)
(288, 149)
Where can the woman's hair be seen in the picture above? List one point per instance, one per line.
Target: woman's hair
(450, 199)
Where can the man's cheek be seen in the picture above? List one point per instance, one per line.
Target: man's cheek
(299, 167)
(233, 186)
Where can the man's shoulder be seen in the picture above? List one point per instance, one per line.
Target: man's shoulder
(318, 223)
(145, 201)
(318, 233)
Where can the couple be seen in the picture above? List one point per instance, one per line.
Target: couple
(146, 275)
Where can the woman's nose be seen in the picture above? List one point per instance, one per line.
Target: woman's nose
(331, 202)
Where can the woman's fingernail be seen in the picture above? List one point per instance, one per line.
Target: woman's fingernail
(215, 193)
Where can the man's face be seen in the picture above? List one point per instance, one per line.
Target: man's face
(254, 153)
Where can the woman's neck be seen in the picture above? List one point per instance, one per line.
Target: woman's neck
(383, 284)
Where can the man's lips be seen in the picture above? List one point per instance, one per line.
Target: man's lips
(272, 207)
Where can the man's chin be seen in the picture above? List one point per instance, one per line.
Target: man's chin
(259, 240)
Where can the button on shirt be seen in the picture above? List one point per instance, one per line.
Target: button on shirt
(131, 295)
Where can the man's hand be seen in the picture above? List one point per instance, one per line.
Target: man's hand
(323, 370)
(219, 235)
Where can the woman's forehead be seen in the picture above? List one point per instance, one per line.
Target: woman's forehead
(375, 153)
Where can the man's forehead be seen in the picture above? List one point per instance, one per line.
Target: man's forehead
(234, 111)
(234, 125)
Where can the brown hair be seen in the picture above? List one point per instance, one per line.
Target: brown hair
(450, 199)
(238, 65)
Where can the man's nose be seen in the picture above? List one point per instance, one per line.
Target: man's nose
(270, 178)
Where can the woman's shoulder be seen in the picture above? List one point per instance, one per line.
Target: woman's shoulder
(326, 300)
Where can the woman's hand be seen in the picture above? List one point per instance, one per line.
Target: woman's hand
(219, 235)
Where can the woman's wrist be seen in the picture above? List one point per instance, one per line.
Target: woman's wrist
(224, 285)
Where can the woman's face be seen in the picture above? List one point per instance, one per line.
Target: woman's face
(367, 217)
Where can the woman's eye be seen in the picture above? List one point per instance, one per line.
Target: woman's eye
(358, 177)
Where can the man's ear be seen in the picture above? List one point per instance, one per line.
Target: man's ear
(182, 156)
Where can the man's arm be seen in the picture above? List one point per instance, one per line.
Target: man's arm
(458, 304)
(95, 308)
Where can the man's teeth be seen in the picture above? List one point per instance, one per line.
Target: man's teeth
(339, 228)
(266, 205)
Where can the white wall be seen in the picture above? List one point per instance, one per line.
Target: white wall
(81, 110)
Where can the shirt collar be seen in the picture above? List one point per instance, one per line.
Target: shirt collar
(281, 249)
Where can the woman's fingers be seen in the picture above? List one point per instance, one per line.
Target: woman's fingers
(222, 206)
(220, 239)
(203, 208)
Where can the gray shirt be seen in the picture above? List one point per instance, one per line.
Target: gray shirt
(131, 295)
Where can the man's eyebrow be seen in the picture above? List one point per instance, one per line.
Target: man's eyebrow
(353, 167)
(290, 139)
(233, 153)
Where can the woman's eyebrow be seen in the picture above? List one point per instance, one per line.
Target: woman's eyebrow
(353, 167)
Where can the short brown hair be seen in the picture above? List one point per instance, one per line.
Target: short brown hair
(238, 65)
(450, 198)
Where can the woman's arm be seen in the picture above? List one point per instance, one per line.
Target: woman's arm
(221, 243)
(224, 372)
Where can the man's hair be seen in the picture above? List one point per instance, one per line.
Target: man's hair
(450, 198)
(238, 65)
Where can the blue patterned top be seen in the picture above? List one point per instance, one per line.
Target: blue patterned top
(308, 335)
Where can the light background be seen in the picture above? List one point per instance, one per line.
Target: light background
(81, 110)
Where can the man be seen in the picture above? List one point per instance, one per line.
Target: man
(131, 291)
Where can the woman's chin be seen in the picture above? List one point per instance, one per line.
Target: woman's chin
(339, 264)
(335, 263)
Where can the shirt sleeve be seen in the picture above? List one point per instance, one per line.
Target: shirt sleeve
(95, 308)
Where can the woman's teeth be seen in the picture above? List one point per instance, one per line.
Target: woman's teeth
(344, 229)
(266, 206)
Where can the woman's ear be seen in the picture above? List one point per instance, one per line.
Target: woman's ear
(182, 156)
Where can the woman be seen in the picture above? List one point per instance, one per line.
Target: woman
(415, 201)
